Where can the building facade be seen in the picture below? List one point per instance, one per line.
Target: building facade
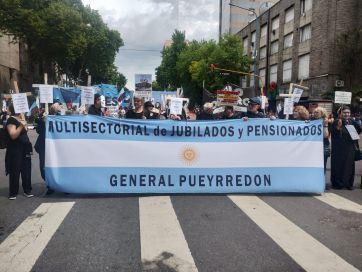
(9, 61)
(232, 19)
(305, 40)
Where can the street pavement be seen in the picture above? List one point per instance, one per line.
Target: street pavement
(275, 232)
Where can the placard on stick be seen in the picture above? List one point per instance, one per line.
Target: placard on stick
(20, 103)
(343, 97)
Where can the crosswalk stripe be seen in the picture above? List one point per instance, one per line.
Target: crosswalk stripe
(23, 247)
(303, 248)
(340, 202)
(162, 239)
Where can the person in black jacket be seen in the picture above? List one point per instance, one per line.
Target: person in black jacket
(253, 109)
(96, 108)
(18, 155)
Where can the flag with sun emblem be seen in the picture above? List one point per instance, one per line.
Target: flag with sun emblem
(91, 154)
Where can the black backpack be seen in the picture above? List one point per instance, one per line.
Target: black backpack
(4, 138)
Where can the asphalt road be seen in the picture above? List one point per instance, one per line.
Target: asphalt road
(279, 232)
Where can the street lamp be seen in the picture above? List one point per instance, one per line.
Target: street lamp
(255, 52)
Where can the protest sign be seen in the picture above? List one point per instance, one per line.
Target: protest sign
(352, 132)
(288, 105)
(87, 95)
(20, 103)
(227, 97)
(176, 106)
(297, 93)
(343, 97)
(46, 93)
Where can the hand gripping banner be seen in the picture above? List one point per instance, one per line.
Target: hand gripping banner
(91, 154)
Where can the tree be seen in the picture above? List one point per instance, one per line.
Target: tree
(193, 65)
(166, 73)
(65, 33)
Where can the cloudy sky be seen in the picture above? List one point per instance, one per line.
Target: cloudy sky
(146, 24)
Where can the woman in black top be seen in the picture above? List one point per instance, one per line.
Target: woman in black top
(18, 155)
(343, 149)
(137, 112)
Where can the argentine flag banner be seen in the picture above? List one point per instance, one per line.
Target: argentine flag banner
(91, 154)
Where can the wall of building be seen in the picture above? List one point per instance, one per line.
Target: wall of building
(328, 19)
(9, 61)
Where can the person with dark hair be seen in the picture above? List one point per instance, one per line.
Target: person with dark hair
(96, 108)
(18, 155)
(150, 112)
(343, 150)
(206, 113)
(229, 113)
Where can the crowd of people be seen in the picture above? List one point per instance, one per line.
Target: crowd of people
(337, 141)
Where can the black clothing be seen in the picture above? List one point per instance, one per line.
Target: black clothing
(131, 114)
(234, 116)
(40, 144)
(250, 114)
(204, 116)
(95, 111)
(342, 156)
(152, 115)
(18, 160)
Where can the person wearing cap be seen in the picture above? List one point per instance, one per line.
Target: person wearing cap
(253, 109)
(206, 113)
(150, 112)
(96, 108)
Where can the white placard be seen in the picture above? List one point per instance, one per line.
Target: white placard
(20, 103)
(87, 95)
(176, 106)
(263, 101)
(46, 94)
(343, 97)
(288, 105)
(4, 105)
(218, 110)
(297, 93)
(352, 132)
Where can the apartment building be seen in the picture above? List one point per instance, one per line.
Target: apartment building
(304, 40)
(9, 61)
(232, 18)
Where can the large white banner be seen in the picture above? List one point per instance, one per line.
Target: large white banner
(91, 154)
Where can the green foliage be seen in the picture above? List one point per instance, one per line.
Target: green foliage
(191, 69)
(64, 32)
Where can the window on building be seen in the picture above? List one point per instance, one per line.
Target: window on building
(243, 82)
(305, 5)
(251, 78)
(303, 67)
(273, 73)
(287, 71)
(263, 52)
(245, 45)
(275, 24)
(262, 76)
(264, 30)
(274, 47)
(305, 33)
(253, 40)
(288, 40)
(289, 15)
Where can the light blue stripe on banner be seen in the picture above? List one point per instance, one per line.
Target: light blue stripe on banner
(104, 128)
(185, 180)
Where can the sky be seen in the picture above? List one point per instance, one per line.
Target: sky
(145, 25)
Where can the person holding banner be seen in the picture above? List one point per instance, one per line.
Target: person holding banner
(18, 155)
(300, 113)
(344, 135)
(229, 113)
(150, 112)
(137, 112)
(96, 108)
(253, 109)
(321, 113)
(39, 146)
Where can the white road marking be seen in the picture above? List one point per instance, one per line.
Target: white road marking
(20, 251)
(162, 239)
(299, 245)
(340, 202)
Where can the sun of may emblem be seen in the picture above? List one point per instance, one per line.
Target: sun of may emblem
(189, 155)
